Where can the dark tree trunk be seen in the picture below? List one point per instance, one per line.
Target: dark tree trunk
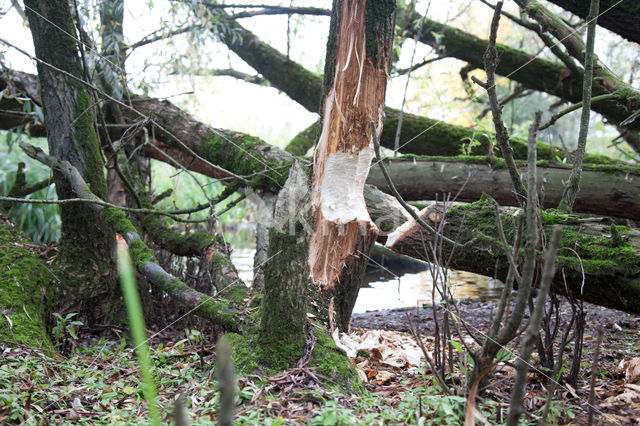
(621, 17)
(86, 243)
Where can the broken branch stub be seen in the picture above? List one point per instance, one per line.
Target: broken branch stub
(355, 92)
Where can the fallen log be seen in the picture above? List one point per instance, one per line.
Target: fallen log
(605, 189)
(598, 262)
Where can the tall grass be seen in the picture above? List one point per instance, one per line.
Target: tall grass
(136, 325)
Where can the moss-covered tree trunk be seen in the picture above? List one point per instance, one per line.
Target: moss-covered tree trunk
(86, 244)
(606, 189)
(24, 282)
(598, 261)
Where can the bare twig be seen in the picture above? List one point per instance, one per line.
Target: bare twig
(522, 363)
(394, 191)
(573, 186)
(594, 374)
(502, 135)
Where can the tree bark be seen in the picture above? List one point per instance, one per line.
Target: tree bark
(356, 71)
(86, 244)
(620, 17)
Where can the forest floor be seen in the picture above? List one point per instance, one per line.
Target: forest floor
(99, 382)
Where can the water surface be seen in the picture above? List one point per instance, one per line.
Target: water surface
(397, 288)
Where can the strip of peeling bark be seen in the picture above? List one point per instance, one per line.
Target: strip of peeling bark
(356, 78)
(606, 190)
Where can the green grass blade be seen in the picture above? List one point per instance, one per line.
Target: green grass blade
(136, 324)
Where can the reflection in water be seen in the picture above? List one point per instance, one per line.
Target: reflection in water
(382, 290)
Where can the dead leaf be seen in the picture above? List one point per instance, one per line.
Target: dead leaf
(631, 369)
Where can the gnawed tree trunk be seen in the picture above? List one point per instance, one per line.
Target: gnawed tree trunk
(356, 77)
(86, 243)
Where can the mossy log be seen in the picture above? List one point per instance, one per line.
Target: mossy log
(387, 214)
(265, 167)
(442, 139)
(598, 261)
(620, 17)
(605, 189)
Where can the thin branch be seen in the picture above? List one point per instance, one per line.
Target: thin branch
(571, 190)
(502, 136)
(281, 10)
(159, 35)
(575, 107)
(404, 71)
(548, 41)
(230, 72)
(522, 363)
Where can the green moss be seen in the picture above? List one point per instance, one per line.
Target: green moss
(304, 140)
(84, 134)
(243, 354)
(378, 23)
(117, 220)
(140, 253)
(181, 243)
(239, 152)
(25, 281)
(333, 363)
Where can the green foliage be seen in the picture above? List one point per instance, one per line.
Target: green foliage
(41, 222)
(64, 332)
(334, 415)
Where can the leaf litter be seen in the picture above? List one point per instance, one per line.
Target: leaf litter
(100, 383)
